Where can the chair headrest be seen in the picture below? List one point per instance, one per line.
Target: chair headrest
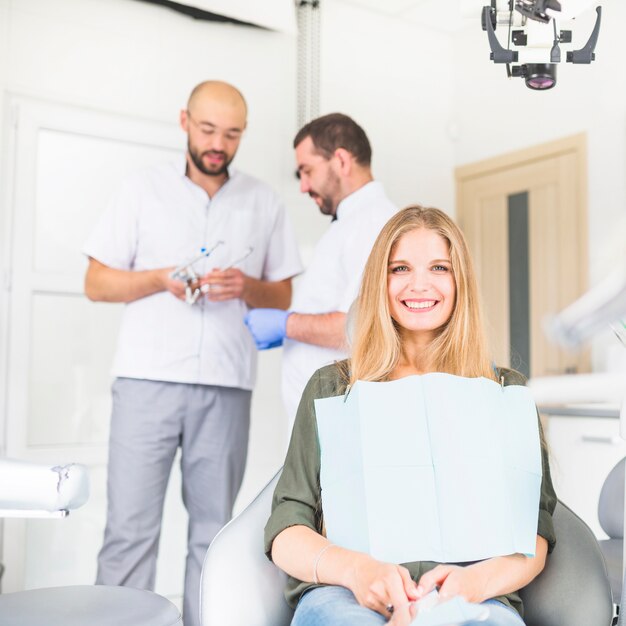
(611, 503)
(32, 486)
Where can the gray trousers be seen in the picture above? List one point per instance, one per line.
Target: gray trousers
(150, 420)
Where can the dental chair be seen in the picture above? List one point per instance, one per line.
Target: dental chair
(45, 491)
(611, 516)
(240, 587)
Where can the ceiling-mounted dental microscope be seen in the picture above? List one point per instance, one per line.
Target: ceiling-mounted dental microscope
(533, 41)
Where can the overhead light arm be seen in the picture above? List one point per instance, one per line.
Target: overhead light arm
(499, 54)
(586, 53)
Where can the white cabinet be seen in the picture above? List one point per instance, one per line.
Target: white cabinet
(582, 452)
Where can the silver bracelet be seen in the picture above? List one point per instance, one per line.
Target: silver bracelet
(317, 560)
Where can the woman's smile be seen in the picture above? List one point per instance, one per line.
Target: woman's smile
(420, 305)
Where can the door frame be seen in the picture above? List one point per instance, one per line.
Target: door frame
(574, 143)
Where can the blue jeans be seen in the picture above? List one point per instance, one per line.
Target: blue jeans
(337, 606)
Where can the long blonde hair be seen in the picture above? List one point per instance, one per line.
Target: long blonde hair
(460, 347)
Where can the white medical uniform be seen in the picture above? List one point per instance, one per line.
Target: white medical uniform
(159, 219)
(184, 372)
(332, 281)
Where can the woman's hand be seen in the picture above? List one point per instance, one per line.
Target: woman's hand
(486, 579)
(378, 585)
(453, 580)
(403, 615)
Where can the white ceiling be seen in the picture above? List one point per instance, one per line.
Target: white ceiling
(443, 15)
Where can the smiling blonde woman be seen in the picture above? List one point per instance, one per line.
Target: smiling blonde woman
(418, 312)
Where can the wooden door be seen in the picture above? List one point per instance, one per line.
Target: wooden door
(524, 215)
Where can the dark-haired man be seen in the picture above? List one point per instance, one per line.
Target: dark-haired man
(333, 156)
(185, 368)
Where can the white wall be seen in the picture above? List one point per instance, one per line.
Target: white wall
(495, 115)
(4, 221)
(382, 72)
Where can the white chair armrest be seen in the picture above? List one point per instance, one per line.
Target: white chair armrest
(31, 487)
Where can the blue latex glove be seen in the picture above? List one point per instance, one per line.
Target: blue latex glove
(268, 327)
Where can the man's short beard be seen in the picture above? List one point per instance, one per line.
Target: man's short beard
(330, 202)
(197, 161)
(328, 206)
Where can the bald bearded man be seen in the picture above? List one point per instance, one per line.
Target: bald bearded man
(184, 371)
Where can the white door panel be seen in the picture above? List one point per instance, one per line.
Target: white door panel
(69, 401)
(59, 346)
(76, 174)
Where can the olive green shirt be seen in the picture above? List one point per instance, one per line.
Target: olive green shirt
(297, 498)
